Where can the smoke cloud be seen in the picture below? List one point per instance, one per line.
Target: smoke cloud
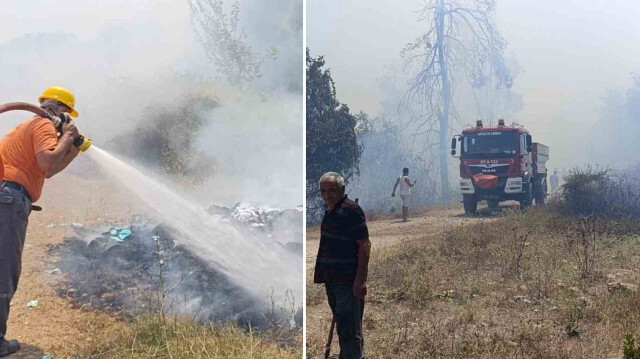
(568, 57)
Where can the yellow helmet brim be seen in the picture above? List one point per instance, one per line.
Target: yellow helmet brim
(73, 112)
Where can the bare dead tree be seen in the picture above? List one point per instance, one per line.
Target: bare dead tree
(461, 45)
(224, 43)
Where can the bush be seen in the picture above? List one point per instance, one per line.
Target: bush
(165, 139)
(601, 193)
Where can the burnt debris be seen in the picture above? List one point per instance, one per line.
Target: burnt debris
(149, 272)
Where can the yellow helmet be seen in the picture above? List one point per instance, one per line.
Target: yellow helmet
(60, 94)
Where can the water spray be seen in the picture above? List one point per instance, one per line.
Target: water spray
(81, 142)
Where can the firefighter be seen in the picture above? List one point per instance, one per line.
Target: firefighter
(30, 153)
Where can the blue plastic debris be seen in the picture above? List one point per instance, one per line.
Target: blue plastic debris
(124, 234)
(118, 234)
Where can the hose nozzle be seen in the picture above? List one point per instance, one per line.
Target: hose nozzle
(82, 143)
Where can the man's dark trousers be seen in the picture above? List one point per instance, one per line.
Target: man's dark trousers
(15, 207)
(348, 311)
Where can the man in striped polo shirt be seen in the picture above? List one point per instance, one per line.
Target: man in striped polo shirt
(342, 263)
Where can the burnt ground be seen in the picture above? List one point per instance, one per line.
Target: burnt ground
(149, 272)
(59, 325)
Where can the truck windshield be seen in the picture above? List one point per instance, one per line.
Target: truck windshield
(490, 144)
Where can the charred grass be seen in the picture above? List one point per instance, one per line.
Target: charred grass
(526, 285)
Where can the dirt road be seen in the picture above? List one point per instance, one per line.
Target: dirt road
(54, 326)
(388, 232)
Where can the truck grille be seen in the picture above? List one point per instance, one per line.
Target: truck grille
(495, 170)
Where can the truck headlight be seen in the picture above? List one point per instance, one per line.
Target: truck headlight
(513, 185)
(466, 186)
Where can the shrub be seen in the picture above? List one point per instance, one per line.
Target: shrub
(165, 139)
(601, 193)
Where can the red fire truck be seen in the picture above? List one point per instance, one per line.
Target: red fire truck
(498, 164)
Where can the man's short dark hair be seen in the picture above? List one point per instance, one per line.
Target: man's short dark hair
(405, 170)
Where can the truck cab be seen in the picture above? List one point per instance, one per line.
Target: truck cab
(498, 164)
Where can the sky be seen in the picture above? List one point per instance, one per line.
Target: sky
(87, 18)
(570, 53)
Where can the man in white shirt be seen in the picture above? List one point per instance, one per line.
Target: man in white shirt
(404, 191)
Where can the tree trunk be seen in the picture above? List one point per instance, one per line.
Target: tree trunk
(446, 103)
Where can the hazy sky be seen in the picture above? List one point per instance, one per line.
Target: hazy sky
(86, 18)
(570, 52)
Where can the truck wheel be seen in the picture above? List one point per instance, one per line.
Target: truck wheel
(493, 205)
(541, 196)
(470, 204)
(527, 198)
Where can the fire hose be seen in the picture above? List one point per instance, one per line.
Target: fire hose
(81, 142)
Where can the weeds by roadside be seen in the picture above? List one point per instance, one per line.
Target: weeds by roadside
(527, 285)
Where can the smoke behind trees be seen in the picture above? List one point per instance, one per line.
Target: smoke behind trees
(567, 59)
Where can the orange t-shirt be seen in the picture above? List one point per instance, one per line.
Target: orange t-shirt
(1, 169)
(19, 149)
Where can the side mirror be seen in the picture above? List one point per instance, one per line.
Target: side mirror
(453, 144)
(529, 143)
(453, 153)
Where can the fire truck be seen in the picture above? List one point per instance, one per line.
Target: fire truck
(498, 164)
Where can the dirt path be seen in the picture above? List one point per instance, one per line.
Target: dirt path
(389, 232)
(54, 326)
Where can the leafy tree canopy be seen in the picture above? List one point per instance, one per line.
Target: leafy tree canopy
(331, 128)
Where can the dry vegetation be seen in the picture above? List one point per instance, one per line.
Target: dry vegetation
(158, 337)
(532, 285)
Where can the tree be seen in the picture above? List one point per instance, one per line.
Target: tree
(224, 44)
(331, 129)
(461, 43)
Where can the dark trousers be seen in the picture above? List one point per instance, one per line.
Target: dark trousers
(348, 311)
(15, 208)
